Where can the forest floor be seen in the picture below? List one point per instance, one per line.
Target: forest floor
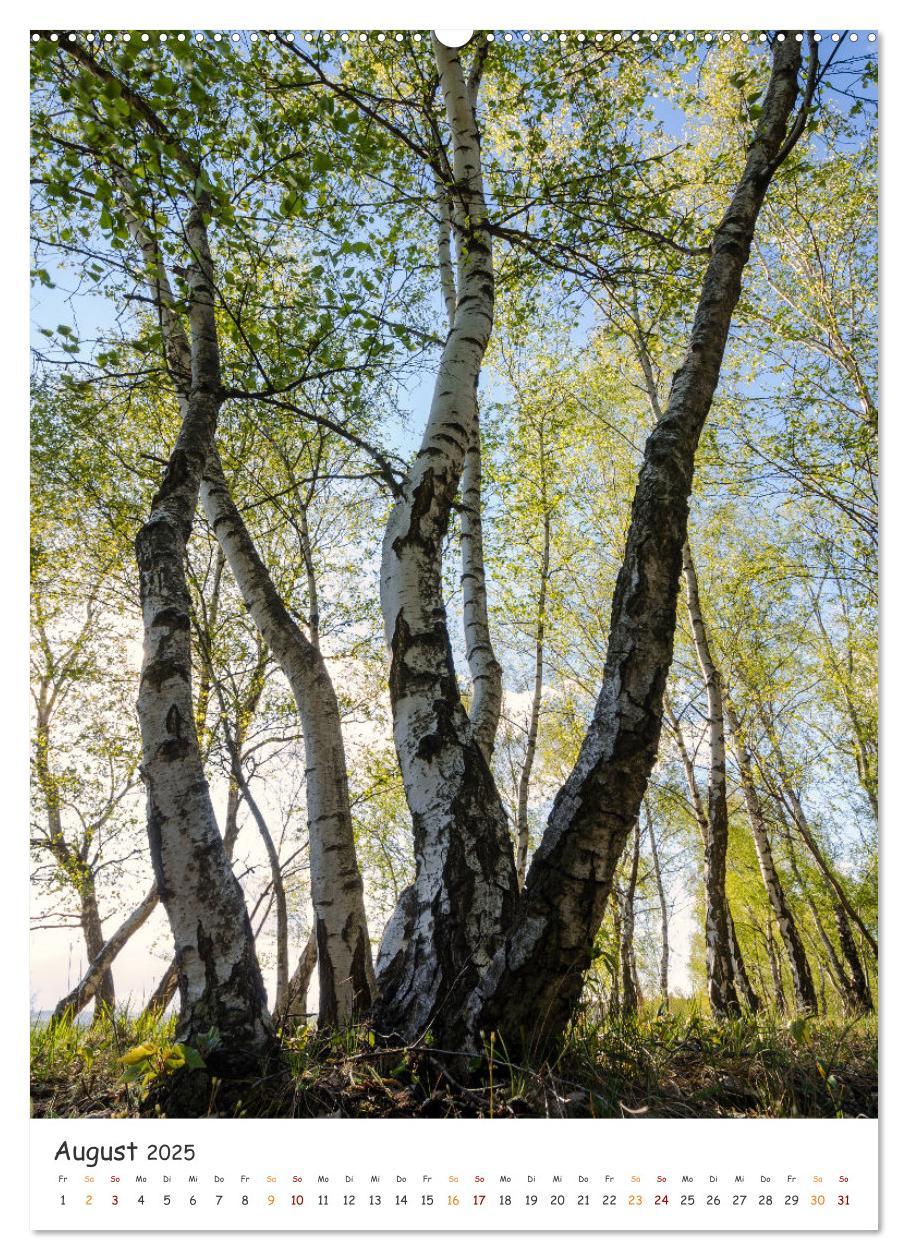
(680, 1065)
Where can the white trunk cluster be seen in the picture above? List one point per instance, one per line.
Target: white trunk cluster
(346, 975)
(446, 927)
(220, 983)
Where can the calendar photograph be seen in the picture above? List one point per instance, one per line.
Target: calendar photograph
(454, 601)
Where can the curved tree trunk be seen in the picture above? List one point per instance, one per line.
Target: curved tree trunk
(346, 979)
(802, 980)
(485, 670)
(530, 990)
(220, 983)
(450, 921)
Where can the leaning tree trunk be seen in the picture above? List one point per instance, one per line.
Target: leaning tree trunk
(693, 788)
(720, 968)
(90, 984)
(292, 1013)
(530, 990)
(164, 992)
(858, 991)
(790, 801)
(778, 988)
(837, 972)
(220, 983)
(346, 980)
(802, 980)
(448, 924)
(346, 977)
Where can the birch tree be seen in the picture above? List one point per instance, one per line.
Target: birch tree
(447, 925)
(296, 243)
(534, 981)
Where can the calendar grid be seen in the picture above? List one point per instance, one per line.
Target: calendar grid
(322, 1174)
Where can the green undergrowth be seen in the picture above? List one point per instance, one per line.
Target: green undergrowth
(680, 1064)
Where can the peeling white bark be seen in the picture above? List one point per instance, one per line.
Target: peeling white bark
(447, 926)
(485, 671)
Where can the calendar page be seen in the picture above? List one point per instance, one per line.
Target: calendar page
(454, 763)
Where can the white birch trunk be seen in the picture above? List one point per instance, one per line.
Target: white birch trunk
(346, 975)
(220, 983)
(485, 671)
(531, 988)
(346, 978)
(448, 924)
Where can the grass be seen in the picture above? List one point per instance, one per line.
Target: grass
(680, 1064)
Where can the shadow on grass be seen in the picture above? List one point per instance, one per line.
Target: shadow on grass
(679, 1064)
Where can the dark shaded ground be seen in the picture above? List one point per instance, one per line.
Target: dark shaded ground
(684, 1066)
